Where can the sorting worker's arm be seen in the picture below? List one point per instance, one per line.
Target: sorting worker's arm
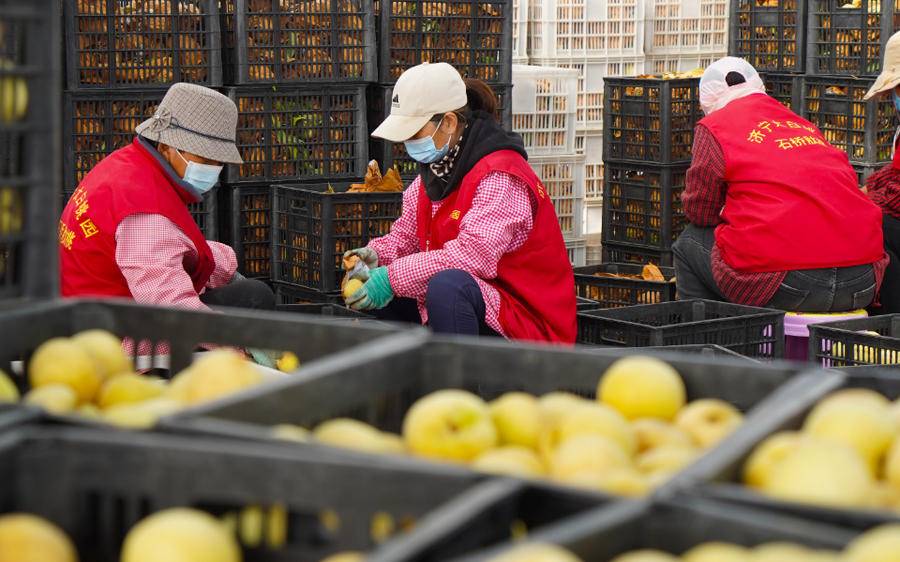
(704, 193)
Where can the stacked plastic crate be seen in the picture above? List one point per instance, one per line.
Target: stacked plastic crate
(120, 58)
(681, 35)
(543, 112)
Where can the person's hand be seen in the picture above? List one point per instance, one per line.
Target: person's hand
(367, 255)
(374, 294)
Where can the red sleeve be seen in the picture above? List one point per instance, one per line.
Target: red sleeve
(883, 188)
(402, 239)
(704, 192)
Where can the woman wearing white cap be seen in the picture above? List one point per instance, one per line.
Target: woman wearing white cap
(478, 249)
(127, 231)
(884, 185)
(777, 218)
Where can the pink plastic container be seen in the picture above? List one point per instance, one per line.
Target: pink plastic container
(796, 330)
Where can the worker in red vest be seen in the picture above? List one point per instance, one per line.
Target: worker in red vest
(884, 185)
(777, 218)
(478, 249)
(127, 232)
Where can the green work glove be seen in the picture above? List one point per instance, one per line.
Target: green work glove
(368, 256)
(374, 294)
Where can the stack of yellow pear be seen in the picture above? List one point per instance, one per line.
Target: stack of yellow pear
(881, 544)
(847, 454)
(90, 375)
(637, 433)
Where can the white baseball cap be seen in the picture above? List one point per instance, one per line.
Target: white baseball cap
(422, 92)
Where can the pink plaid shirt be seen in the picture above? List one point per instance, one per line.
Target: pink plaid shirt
(154, 256)
(499, 222)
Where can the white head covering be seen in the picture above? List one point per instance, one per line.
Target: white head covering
(715, 93)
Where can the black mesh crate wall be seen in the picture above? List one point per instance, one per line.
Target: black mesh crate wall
(296, 133)
(642, 204)
(30, 149)
(474, 36)
(770, 34)
(786, 88)
(863, 129)
(141, 43)
(313, 227)
(251, 229)
(390, 154)
(650, 120)
(847, 38)
(284, 41)
(604, 285)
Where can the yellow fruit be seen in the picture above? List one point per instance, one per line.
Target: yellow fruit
(778, 552)
(652, 433)
(62, 361)
(708, 421)
(217, 374)
(767, 455)
(13, 95)
(623, 481)
(881, 544)
(290, 432)
(129, 388)
(277, 527)
(892, 465)
(180, 535)
(345, 557)
(351, 287)
(8, 390)
(106, 351)
(593, 419)
(867, 428)
(55, 398)
(356, 435)
(884, 496)
(856, 395)
(554, 405)
(642, 387)
(250, 526)
(288, 363)
(517, 417)
(536, 552)
(821, 472)
(510, 461)
(586, 453)
(452, 425)
(141, 415)
(28, 538)
(716, 552)
(668, 460)
(894, 411)
(89, 411)
(12, 210)
(646, 555)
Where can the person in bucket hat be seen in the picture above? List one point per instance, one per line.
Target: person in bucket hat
(776, 215)
(477, 249)
(883, 186)
(127, 230)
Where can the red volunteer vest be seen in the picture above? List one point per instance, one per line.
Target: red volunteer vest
(793, 202)
(535, 282)
(127, 182)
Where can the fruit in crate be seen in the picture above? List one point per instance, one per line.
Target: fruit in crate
(633, 438)
(8, 390)
(180, 535)
(28, 538)
(536, 552)
(13, 94)
(375, 182)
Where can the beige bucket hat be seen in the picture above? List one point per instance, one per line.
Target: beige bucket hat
(196, 120)
(422, 92)
(890, 70)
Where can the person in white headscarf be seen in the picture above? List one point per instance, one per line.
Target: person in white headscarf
(777, 218)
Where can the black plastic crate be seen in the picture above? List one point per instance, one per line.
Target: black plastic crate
(251, 229)
(642, 204)
(863, 171)
(30, 149)
(296, 133)
(650, 120)
(672, 526)
(273, 41)
(330, 310)
(849, 41)
(720, 474)
(770, 34)
(116, 44)
(287, 294)
(863, 129)
(747, 330)
(384, 384)
(615, 292)
(473, 35)
(630, 253)
(786, 88)
(844, 344)
(314, 227)
(96, 485)
(390, 154)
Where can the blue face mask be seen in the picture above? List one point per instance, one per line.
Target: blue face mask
(202, 177)
(424, 150)
(896, 100)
